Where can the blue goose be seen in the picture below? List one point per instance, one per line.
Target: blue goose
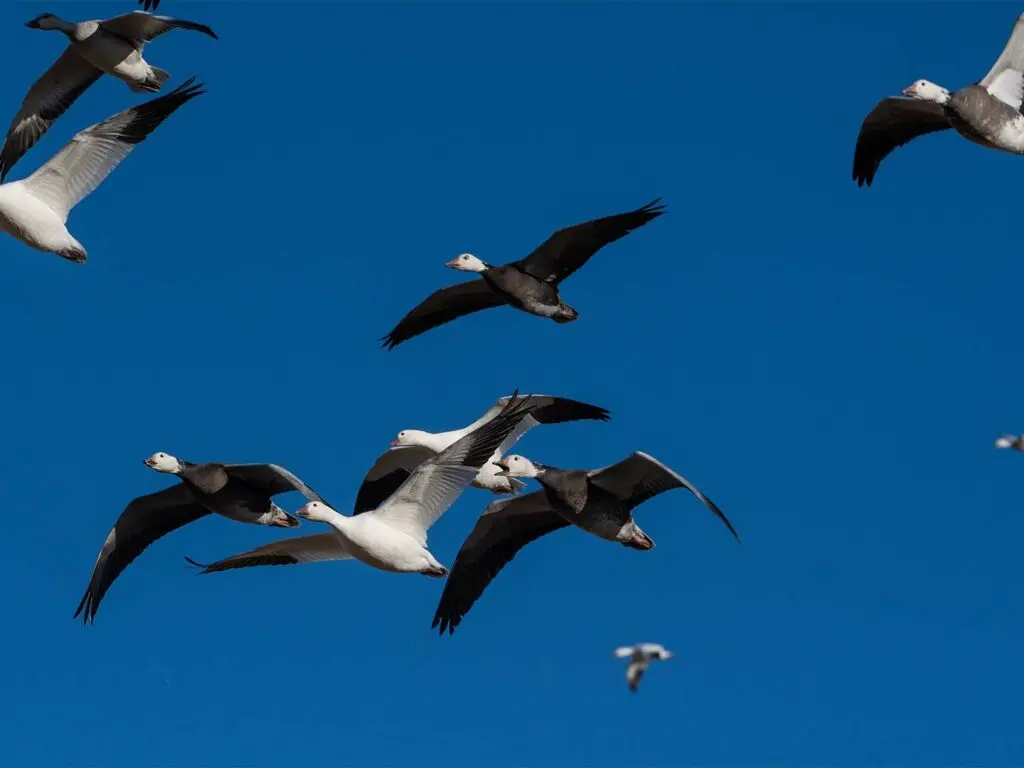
(413, 446)
(600, 501)
(35, 210)
(241, 492)
(640, 656)
(392, 537)
(530, 284)
(113, 46)
(987, 113)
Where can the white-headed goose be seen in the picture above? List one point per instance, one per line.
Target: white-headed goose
(988, 112)
(239, 492)
(600, 501)
(113, 47)
(530, 284)
(35, 210)
(413, 446)
(640, 656)
(393, 537)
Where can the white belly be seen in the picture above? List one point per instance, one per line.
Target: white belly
(1011, 136)
(378, 544)
(32, 221)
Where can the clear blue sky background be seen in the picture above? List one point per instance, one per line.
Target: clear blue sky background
(830, 364)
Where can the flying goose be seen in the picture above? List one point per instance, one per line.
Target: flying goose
(393, 537)
(239, 492)
(988, 112)
(1016, 442)
(412, 447)
(600, 501)
(640, 656)
(35, 210)
(530, 284)
(113, 47)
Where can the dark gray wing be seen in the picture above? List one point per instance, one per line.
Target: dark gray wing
(442, 307)
(143, 521)
(141, 28)
(271, 479)
(892, 123)
(318, 548)
(640, 477)
(208, 478)
(503, 529)
(47, 99)
(569, 249)
(387, 475)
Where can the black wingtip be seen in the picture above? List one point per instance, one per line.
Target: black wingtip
(388, 342)
(192, 562)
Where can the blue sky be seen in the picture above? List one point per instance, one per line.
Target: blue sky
(829, 364)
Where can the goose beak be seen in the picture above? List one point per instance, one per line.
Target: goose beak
(32, 24)
(302, 512)
(908, 91)
(395, 443)
(148, 462)
(503, 467)
(453, 264)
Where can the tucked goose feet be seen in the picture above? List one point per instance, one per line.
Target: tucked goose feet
(565, 314)
(640, 540)
(435, 571)
(76, 255)
(284, 520)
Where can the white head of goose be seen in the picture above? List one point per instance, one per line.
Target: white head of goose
(467, 262)
(113, 46)
(987, 113)
(241, 492)
(600, 501)
(530, 284)
(411, 447)
(393, 537)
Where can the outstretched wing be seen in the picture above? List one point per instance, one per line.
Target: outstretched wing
(569, 249)
(143, 521)
(503, 529)
(442, 307)
(640, 477)
(892, 123)
(140, 27)
(318, 548)
(387, 475)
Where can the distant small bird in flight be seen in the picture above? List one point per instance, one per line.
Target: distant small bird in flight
(640, 656)
(1016, 442)
(530, 284)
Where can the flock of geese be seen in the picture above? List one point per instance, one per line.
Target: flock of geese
(411, 485)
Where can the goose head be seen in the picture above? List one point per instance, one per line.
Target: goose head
(316, 511)
(412, 437)
(164, 462)
(48, 21)
(518, 466)
(467, 262)
(925, 90)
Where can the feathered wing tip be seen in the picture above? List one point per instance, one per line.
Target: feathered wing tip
(195, 564)
(654, 208)
(1004, 441)
(623, 652)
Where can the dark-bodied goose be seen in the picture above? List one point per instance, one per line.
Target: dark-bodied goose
(600, 501)
(35, 210)
(988, 112)
(640, 656)
(413, 446)
(530, 284)
(1016, 442)
(393, 537)
(239, 492)
(113, 47)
